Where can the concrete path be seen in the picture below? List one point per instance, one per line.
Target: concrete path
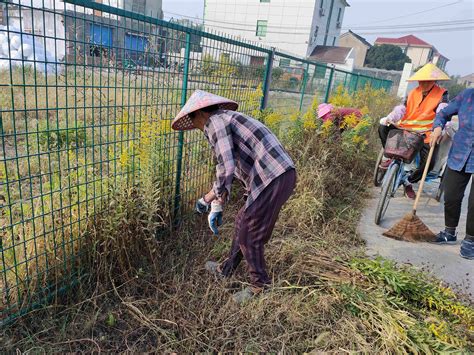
(443, 261)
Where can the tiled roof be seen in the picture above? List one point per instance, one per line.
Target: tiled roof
(330, 54)
(406, 40)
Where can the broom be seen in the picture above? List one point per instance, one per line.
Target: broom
(410, 227)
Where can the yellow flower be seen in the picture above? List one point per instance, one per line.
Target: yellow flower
(123, 126)
(312, 111)
(165, 126)
(273, 119)
(254, 100)
(362, 125)
(294, 116)
(327, 125)
(3, 173)
(350, 121)
(341, 98)
(326, 128)
(124, 158)
(309, 123)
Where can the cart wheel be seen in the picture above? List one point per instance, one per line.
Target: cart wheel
(378, 173)
(388, 187)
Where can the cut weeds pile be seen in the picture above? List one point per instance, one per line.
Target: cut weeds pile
(156, 296)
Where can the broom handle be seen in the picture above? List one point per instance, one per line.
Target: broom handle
(425, 172)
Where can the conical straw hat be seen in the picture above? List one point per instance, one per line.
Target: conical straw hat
(200, 99)
(429, 72)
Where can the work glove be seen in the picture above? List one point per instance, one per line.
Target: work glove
(201, 206)
(441, 106)
(215, 217)
(393, 117)
(385, 121)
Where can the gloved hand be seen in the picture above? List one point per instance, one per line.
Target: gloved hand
(393, 117)
(201, 206)
(385, 121)
(441, 106)
(215, 217)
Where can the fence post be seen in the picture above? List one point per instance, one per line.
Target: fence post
(303, 85)
(179, 159)
(267, 80)
(328, 89)
(357, 82)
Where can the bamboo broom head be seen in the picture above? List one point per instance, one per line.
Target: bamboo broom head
(410, 228)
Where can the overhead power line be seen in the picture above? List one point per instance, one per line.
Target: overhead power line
(417, 13)
(251, 28)
(470, 28)
(396, 30)
(427, 24)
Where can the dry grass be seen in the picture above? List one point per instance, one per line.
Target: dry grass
(142, 294)
(72, 139)
(148, 295)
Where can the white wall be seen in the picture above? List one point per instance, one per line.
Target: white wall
(405, 86)
(350, 62)
(321, 20)
(289, 22)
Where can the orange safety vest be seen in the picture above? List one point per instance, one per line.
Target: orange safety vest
(420, 114)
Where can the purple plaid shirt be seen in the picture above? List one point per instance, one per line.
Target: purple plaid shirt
(462, 150)
(246, 149)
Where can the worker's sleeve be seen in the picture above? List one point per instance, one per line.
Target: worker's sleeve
(220, 138)
(448, 112)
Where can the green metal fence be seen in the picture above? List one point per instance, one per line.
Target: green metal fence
(296, 82)
(89, 96)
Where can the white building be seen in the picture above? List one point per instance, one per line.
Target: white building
(295, 26)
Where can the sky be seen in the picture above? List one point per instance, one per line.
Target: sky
(458, 46)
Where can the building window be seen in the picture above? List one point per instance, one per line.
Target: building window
(138, 6)
(339, 15)
(334, 41)
(285, 62)
(261, 28)
(430, 55)
(315, 34)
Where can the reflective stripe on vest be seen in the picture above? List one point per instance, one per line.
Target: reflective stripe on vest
(420, 113)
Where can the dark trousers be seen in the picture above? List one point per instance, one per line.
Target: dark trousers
(417, 174)
(254, 227)
(455, 183)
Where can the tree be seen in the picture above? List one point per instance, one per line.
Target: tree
(453, 87)
(386, 56)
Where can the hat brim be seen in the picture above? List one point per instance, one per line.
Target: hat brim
(199, 100)
(429, 72)
(324, 109)
(415, 79)
(185, 123)
(323, 112)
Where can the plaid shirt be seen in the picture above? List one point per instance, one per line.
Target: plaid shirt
(462, 151)
(246, 149)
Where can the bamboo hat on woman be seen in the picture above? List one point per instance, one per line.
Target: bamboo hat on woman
(198, 100)
(429, 72)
